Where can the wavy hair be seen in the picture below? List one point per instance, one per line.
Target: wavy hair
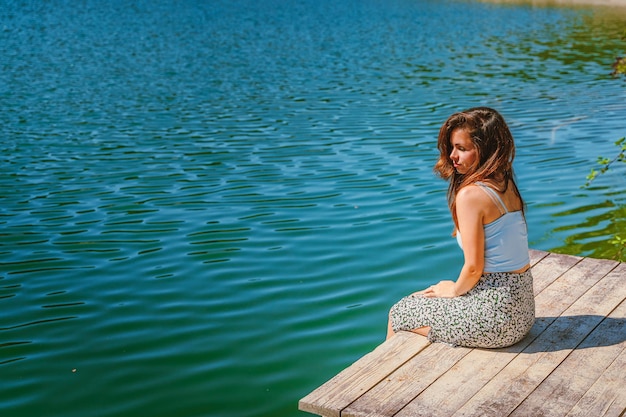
(495, 153)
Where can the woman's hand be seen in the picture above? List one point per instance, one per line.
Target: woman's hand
(444, 289)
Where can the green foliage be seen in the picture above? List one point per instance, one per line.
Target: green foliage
(618, 241)
(620, 244)
(619, 66)
(605, 163)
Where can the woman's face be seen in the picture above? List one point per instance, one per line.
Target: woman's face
(464, 153)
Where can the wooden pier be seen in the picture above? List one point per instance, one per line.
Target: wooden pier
(572, 363)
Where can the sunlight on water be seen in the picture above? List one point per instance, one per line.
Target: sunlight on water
(207, 208)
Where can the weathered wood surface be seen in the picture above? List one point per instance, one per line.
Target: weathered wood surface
(572, 363)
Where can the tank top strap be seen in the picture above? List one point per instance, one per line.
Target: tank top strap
(494, 196)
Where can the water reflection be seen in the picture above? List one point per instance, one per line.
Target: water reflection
(592, 237)
(198, 198)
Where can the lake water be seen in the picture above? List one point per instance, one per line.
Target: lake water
(207, 207)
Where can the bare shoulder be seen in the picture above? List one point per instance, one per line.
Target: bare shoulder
(471, 195)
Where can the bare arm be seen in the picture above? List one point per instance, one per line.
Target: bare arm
(470, 207)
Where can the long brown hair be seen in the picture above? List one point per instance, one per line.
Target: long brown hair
(495, 150)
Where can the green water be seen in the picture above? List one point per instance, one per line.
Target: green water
(207, 207)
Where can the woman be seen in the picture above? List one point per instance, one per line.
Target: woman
(491, 303)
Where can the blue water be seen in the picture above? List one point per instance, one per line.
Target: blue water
(207, 207)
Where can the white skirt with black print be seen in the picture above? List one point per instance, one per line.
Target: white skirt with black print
(498, 312)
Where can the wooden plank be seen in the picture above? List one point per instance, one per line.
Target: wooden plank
(449, 392)
(475, 370)
(340, 391)
(524, 374)
(607, 294)
(550, 268)
(562, 390)
(392, 394)
(533, 377)
(395, 391)
(554, 299)
(607, 397)
(536, 256)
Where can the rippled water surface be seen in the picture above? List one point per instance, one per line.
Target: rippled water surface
(207, 207)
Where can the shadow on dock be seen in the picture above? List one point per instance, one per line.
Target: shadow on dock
(563, 332)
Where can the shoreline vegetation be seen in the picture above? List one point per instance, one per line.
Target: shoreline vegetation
(619, 68)
(604, 3)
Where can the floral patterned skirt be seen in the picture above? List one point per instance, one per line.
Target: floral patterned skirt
(498, 312)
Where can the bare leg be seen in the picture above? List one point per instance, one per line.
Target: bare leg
(390, 331)
(422, 331)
